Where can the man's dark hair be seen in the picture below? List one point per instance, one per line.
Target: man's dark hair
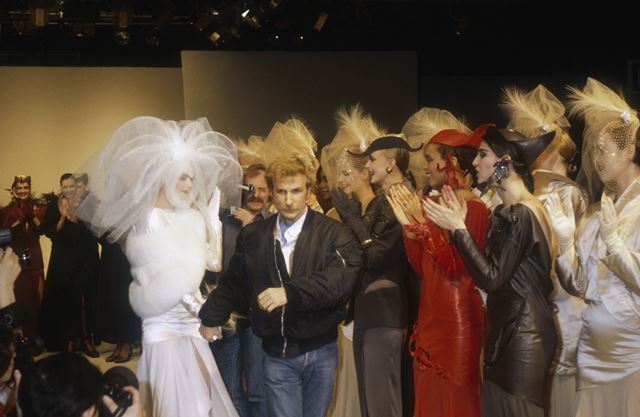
(62, 385)
(7, 347)
(65, 176)
(255, 170)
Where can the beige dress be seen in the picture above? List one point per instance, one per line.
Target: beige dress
(609, 345)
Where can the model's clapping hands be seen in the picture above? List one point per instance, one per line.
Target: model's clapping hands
(400, 197)
(449, 213)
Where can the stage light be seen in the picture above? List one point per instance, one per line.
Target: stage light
(205, 20)
(320, 21)
(274, 3)
(122, 18)
(39, 17)
(152, 39)
(251, 18)
(122, 37)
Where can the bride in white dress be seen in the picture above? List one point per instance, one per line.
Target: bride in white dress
(156, 187)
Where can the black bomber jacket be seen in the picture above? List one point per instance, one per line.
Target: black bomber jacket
(327, 260)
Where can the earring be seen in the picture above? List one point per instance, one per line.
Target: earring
(389, 170)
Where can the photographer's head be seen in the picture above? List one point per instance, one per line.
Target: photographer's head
(62, 385)
(258, 199)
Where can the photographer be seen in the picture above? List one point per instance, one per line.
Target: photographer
(68, 385)
(7, 354)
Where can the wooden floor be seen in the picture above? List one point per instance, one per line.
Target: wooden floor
(105, 350)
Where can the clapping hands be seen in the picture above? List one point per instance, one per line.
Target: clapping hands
(449, 213)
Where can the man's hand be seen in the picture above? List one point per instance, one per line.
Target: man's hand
(134, 410)
(210, 334)
(272, 298)
(244, 215)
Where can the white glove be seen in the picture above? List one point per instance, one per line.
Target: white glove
(193, 302)
(214, 210)
(608, 222)
(214, 262)
(564, 225)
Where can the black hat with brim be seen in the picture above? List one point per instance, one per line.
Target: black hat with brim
(527, 149)
(386, 142)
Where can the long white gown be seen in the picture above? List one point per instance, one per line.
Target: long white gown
(177, 373)
(609, 345)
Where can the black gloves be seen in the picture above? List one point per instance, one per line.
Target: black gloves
(347, 208)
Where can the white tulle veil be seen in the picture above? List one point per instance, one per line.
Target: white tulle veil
(146, 154)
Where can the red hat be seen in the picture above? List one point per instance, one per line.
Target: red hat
(456, 138)
(450, 137)
(478, 134)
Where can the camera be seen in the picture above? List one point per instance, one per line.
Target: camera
(27, 348)
(114, 380)
(6, 237)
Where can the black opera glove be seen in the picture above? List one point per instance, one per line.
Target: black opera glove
(347, 208)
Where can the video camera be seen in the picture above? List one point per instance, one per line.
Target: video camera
(6, 237)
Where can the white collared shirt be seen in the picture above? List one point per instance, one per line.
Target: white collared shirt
(291, 233)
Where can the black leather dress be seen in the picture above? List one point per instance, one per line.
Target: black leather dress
(514, 270)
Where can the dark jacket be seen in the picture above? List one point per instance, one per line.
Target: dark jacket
(382, 295)
(326, 263)
(515, 272)
(230, 230)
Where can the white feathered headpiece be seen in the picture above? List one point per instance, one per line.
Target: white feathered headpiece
(533, 113)
(356, 130)
(603, 110)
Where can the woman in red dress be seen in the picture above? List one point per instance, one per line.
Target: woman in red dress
(447, 337)
(24, 215)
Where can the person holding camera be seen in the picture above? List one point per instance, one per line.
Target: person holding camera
(239, 354)
(68, 385)
(21, 219)
(7, 355)
(9, 271)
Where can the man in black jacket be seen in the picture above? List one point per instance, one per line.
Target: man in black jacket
(294, 273)
(239, 354)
